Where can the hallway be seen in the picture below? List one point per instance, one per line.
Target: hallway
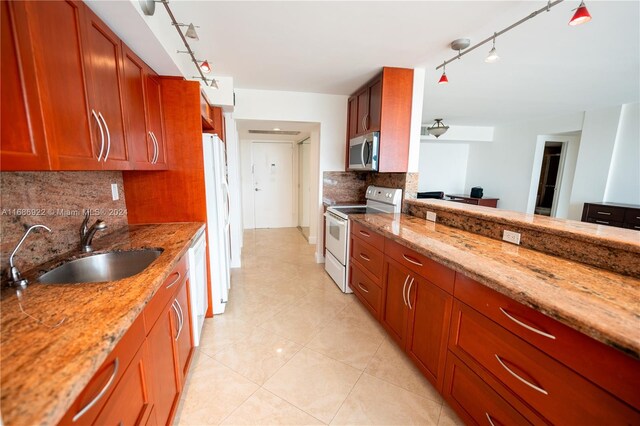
(292, 349)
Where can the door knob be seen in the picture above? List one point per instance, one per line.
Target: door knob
(257, 189)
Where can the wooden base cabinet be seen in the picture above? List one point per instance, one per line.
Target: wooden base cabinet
(395, 311)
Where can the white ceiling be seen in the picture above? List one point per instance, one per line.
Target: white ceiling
(303, 127)
(547, 67)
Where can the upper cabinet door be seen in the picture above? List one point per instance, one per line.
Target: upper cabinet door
(363, 110)
(22, 141)
(353, 117)
(55, 28)
(375, 106)
(155, 120)
(104, 72)
(141, 145)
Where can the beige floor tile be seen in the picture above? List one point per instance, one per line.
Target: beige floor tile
(391, 364)
(220, 331)
(357, 315)
(350, 344)
(376, 402)
(264, 408)
(212, 392)
(257, 356)
(448, 417)
(298, 324)
(314, 383)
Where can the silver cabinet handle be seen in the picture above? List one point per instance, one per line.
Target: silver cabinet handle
(362, 160)
(365, 257)
(106, 155)
(173, 305)
(101, 133)
(602, 222)
(181, 318)
(174, 281)
(526, 382)
(528, 327)
(157, 148)
(363, 288)
(489, 419)
(412, 260)
(409, 293)
(604, 213)
(362, 122)
(154, 148)
(366, 234)
(116, 364)
(404, 287)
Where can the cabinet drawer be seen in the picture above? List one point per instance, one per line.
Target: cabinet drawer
(368, 257)
(376, 240)
(438, 274)
(603, 221)
(94, 396)
(365, 289)
(168, 288)
(608, 367)
(606, 213)
(474, 400)
(553, 390)
(632, 217)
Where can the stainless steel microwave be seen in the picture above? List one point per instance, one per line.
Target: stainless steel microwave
(363, 152)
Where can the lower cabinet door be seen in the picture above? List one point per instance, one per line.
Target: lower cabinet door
(165, 383)
(395, 307)
(429, 317)
(131, 402)
(183, 334)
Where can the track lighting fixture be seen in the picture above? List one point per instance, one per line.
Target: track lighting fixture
(191, 30)
(212, 82)
(581, 16)
(205, 67)
(438, 128)
(493, 55)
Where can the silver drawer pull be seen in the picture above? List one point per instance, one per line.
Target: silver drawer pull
(366, 234)
(174, 281)
(363, 288)
(173, 305)
(528, 327)
(489, 419)
(365, 257)
(412, 260)
(526, 382)
(116, 364)
(602, 222)
(604, 213)
(636, 227)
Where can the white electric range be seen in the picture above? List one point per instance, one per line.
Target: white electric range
(379, 200)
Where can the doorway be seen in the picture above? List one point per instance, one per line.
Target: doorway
(304, 186)
(273, 184)
(550, 179)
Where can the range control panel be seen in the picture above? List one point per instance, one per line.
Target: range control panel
(391, 196)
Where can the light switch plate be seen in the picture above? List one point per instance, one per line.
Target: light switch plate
(511, 237)
(431, 216)
(114, 192)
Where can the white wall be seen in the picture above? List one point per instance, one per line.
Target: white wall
(504, 167)
(304, 183)
(327, 143)
(437, 175)
(623, 185)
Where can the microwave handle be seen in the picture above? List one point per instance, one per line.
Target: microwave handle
(364, 143)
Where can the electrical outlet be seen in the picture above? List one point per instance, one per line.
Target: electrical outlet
(511, 237)
(114, 192)
(431, 216)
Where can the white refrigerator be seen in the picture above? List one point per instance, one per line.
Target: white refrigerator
(217, 188)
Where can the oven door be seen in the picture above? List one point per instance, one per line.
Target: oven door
(335, 237)
(363, 152)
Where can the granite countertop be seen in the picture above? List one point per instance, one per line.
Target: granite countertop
(596, 302)
(331, 202)
(54, 345)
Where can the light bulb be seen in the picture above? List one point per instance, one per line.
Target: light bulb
(493, 56)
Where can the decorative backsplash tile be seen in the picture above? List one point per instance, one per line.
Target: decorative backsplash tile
(341, 187)
(57, 200)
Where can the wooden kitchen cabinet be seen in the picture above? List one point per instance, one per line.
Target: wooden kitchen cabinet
(384, 105)
(103, 57)
(395, 310)
(22, 140)
(183, 339)
(155, 120)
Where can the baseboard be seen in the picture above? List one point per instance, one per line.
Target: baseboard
(319, 258)
(312, 239)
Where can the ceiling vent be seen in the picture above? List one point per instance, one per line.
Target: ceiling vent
(275, 132)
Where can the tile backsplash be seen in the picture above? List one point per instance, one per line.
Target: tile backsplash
(57, 200)
(341, 187)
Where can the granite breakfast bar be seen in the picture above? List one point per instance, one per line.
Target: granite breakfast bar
(56, 336)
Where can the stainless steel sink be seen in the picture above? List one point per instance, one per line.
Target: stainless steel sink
(101, 267)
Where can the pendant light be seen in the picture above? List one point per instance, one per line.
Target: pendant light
(438, 128)
(205, 67)
(493, 55)
(443, 78)
(191, 30)
(581, 16)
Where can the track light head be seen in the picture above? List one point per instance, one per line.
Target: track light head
(582, 15)
(205, 67)
(493, 54)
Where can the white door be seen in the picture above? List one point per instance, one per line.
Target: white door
(273, 182)
(304, 184)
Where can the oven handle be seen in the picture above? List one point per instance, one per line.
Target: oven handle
(338, 219)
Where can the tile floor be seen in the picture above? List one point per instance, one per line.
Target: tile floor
(292, 349)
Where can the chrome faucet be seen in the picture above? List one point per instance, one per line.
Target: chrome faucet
(15, 279)
(86, 234)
